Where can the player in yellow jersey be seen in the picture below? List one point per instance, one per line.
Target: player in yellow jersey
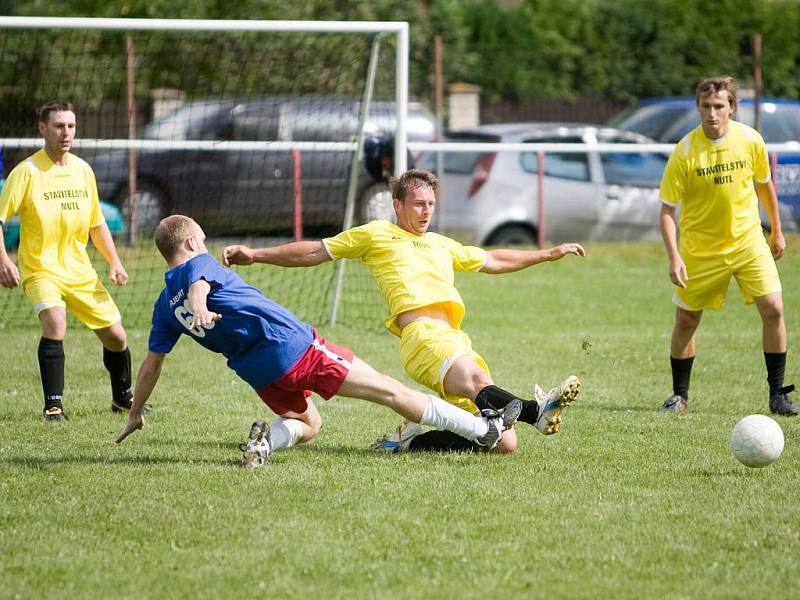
(717, 174)
(414, 269)
(55, 194)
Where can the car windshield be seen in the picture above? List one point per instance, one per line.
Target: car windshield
(190, 122)
(780, 122)
(652, 120)
(459, 163)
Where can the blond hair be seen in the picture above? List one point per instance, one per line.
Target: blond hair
(170, 234)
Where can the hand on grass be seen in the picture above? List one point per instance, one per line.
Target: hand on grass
(134, 423)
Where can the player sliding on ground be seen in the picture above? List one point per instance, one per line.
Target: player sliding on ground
(414, 269)
(281, 357)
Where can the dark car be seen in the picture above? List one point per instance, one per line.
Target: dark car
(248, 190)
(669, 119)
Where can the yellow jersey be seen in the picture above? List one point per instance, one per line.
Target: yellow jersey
(712, 182)
(57, 206)
(412, 270)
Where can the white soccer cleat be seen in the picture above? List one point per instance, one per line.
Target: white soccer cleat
(553, 402)
(257, 449)
(400, 440)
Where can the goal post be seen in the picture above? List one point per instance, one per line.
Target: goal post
(290, 93)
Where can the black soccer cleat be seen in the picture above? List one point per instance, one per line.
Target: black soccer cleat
(53, 413)
(675, 404)
(499, 421)
(119, 406)
(779, 403)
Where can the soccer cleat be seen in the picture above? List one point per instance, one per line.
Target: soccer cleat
(53, 413)
(499, 420)
(257, 449)
(553, 402)
(675, 404)
(119, 406)
(400, 440)
(779, 403)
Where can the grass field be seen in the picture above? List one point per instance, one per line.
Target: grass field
(624, 503)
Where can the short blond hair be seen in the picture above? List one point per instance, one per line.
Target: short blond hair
(170, 233)
(714, 85)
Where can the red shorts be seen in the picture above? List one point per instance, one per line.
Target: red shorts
(322, 369)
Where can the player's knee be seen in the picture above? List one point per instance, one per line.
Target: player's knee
(687, 321)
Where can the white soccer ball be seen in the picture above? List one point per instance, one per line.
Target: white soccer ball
(757, 441)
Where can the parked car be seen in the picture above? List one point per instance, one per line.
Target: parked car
(491, 198)
(669, 119)
(246, 191)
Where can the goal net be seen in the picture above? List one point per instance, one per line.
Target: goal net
(263, 132)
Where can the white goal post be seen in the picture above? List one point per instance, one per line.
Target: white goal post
(313, 60)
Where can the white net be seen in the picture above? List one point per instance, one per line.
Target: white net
(252, 133)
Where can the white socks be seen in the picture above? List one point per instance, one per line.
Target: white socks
(284, 433)
(444, 416)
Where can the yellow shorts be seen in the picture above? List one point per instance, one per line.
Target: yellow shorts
(428, 348)
(709, 278)
(89, 301)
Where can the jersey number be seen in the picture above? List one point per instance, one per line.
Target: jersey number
(184, 314)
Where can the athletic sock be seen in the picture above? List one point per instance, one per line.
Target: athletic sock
(776, 368)
(284, 433)
(681, 373)
(442, 441)
(494, 398)
(444, 416)
(118, 365)
(51, 367)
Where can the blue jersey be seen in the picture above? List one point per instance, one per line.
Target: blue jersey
(260, 338)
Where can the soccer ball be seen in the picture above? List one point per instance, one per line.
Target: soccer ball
(757, 441)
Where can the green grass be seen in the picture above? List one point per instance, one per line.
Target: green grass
(624, 503)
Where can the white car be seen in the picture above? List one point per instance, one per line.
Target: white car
(490, 198)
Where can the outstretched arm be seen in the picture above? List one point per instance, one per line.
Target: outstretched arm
(293, 254)
(102, 240)
(508, 260)
(146, 381)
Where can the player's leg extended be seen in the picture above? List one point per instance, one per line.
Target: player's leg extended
(365, 382)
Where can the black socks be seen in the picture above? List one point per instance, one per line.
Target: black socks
(681, 373)
(118, 365)
(51, 368)
(776, 367)
(493, 397)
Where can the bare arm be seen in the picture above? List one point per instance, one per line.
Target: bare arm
(669, 232)
(146, 381)
(508, 260)
(769, 200)
(102, 240)
(293, 254)
(198, 296)
(9, 274)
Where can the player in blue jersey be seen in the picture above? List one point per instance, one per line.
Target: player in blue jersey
(281, 357)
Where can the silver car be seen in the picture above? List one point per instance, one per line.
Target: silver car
(490, 198)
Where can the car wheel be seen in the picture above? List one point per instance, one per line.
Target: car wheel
(513, 235)
(376, 203)
(150, 203)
